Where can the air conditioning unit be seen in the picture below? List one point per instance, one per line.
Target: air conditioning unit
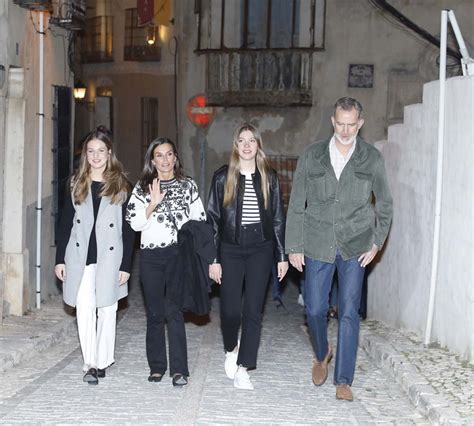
(69, 14)
(43, 5)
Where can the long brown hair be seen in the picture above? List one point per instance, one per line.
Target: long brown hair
(115, 185)
(233, 172)
(149, 171)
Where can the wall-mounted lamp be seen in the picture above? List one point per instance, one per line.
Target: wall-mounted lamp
(2, 75)
(79, 90)
(151, 35)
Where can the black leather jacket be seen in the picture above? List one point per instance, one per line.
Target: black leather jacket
(227, 221)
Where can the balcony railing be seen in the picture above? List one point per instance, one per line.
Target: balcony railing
(69, 14)
(97, 45)
(41, 5)
(142, 53)
(262, 77)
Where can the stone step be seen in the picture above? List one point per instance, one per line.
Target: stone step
(413, 115)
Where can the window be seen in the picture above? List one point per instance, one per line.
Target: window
(141, 43)
(262, 24)
(104, 91)
(259, 52)
(97, 42)
(149, 121)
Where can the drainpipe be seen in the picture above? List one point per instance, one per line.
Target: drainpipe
(439, 176)
(40, 159)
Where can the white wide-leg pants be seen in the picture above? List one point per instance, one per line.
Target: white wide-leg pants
(96, 325)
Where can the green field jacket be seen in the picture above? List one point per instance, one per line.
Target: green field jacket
(350, 214)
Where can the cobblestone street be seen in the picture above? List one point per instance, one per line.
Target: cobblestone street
(49, 387)
(166, 143)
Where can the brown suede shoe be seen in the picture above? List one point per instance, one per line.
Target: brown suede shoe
(344, 392)
(320, 369)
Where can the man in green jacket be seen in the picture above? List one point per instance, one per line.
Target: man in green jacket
(338, 218)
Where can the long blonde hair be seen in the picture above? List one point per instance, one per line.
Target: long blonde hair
(115, 184)
(233, 172)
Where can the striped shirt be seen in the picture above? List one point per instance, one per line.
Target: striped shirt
(250, 211)
(338, 161)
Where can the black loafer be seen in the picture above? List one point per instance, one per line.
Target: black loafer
(155, 377)
(101, 373)
(179, 380)
(91, 377)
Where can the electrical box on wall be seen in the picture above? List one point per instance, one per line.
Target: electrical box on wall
(42, 5)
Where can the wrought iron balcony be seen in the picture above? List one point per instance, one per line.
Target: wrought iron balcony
(259, 77)
(43, 5)
(142, 53)
(69, 14)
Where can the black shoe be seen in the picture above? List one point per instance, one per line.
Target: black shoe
(279, 303)
(101, 373)
(155, 377)
(179, 380)
(91, 377)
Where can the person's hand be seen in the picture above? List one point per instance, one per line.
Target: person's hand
(367, 257)
(282, 268)
(123, 277)
(156, 194)
(297, 261)
(60, 271)
(215, 272)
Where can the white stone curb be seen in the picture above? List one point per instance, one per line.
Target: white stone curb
(38, 344)
(418, 389)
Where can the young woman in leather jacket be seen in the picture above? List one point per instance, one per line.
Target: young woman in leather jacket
(246, 211)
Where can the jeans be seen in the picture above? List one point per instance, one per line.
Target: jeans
(275, 285)
(332, 294)
(161, 310)
(319, 277)
(246, 268)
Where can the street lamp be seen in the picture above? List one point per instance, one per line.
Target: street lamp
(151, 35)
(79, 90)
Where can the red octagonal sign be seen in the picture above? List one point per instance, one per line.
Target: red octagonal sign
(198, 112)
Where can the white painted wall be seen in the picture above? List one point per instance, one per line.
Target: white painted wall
(20, 40)
(399, 283)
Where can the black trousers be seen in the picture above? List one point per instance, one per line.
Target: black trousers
(153, 265)
(246, 270)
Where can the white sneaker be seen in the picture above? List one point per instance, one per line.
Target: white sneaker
(242, 379)
(300, 300)
(230, 364)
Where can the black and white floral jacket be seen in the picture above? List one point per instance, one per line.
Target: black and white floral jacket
(181, 203)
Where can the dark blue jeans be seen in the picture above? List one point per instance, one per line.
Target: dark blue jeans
(275, 284)
(319, 276)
